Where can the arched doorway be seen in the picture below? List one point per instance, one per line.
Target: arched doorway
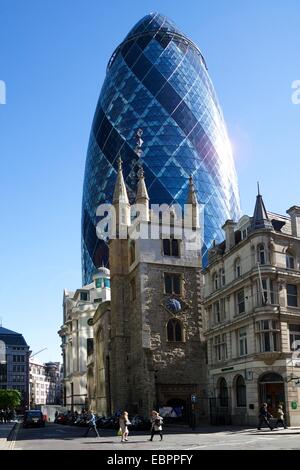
(271, 390)
(178, 411)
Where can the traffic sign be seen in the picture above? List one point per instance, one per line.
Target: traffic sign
(194, 398)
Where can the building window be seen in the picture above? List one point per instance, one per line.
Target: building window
(294, 337)
(222, 276)
(107, 282)
(292, 295)
(132, 289)
(90, 346)
(219, 311)
(267, 335)
(220, 347)
(267, 295)
(261, 254)
(243, 349)
(171, 247)
(98, 283)
(84, 296)
(240, 301)
(237, 268)
(216, 281)
(290, 261)
(174, 330)
(131, 252)
(223, 392)
(240, 388)
(172, 284)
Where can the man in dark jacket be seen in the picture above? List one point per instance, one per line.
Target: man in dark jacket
(92, 424)
(264, 416)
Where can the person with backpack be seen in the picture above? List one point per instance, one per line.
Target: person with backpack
(156, 425)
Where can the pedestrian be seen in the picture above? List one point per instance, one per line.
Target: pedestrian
(264, 416)
(156, 425)
(124, 423)
(280, 418)
(92, 424)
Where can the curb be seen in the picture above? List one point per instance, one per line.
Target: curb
(11, 438)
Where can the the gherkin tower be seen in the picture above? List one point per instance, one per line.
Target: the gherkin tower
(157, 81)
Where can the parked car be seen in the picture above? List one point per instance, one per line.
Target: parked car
(33, 418)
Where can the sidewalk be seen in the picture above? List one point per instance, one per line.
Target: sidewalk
(230, 429)
(5, 430)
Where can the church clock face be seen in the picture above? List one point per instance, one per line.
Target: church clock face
(174, 305)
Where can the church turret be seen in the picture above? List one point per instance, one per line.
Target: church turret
(121, 201)
(193, 205)
(142, 198)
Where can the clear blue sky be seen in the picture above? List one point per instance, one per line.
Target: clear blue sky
(53, 56)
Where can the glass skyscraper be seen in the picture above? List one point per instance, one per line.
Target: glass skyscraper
(157, 81)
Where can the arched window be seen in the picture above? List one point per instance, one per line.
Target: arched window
(261, 254)
(132, 252)
(223, 392)
(174, 330)
(215, 281)
(222, 276)
(290, 260)
(237, 268)
(240, 389)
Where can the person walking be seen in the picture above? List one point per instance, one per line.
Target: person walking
(92, 424)
(280, 418)
(124, 423)
(264, 417)
(156, 425)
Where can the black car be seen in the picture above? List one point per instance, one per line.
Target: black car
(33, 418)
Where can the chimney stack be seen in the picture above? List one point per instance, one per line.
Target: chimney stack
(294, 213)
(228, 228)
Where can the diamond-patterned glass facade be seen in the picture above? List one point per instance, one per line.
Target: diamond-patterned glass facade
(157, 80)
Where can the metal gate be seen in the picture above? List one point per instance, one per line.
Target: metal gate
(220, 412)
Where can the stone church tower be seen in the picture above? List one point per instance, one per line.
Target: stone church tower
(157, 353)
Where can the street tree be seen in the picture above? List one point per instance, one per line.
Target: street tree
(10, 399)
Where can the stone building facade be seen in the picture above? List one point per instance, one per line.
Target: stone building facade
(77, 337)
(156, 351)
(252, 317)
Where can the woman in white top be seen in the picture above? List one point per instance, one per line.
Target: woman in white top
(124, 422)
